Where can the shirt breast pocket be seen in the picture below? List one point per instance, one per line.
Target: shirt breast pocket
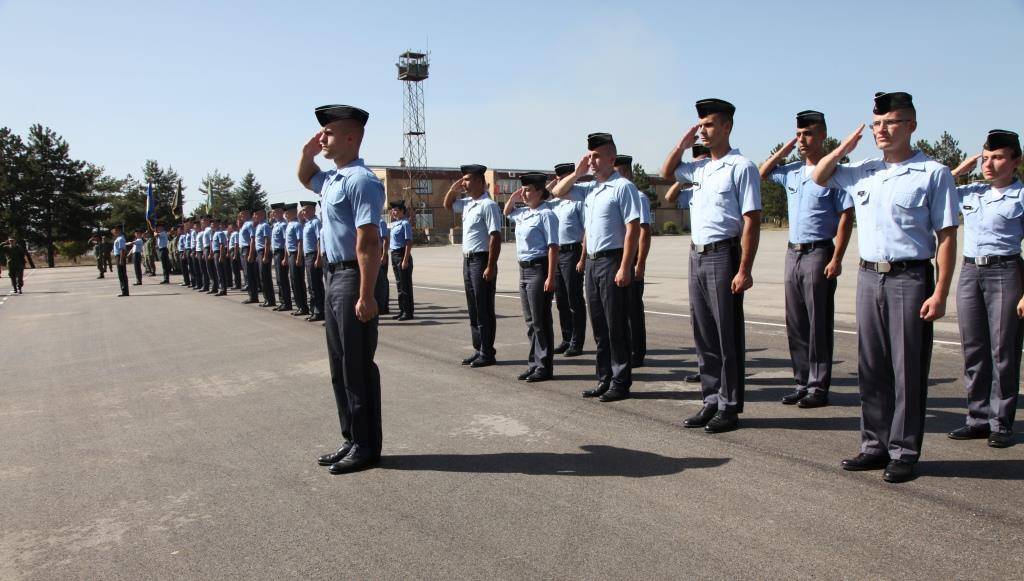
(1010, 210)
(910, 207)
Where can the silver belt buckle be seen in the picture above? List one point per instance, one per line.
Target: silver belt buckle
(700, 248)
(983, 261)
(883, 267)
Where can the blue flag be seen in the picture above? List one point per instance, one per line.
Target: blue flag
(150, 205)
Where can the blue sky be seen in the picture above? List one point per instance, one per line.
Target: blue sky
(232, 85)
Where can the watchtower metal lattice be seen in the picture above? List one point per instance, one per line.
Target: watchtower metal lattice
(413, 69)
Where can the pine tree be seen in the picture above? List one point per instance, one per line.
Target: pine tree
(218, 188)
(249, 193)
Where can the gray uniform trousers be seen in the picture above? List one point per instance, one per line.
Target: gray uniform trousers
(572, 309)
(351, 345)
(718, 332)
(197, 270)
(537, 313)
(810, 317)
(991, 336)
(165, 264)
(284, 291)
(403, 282)
(608, 305)
(186, 267)
(480, 302)
(236, 271)
(384, 302)
(636, 321)
(252, 275)
(213, 267)
(137, 262)
(894, 347)
(266, 278)
(243, 258)
(297, 280)
(315, 283)
(122, 274)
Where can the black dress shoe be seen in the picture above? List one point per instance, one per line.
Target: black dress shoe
(701, 418)
(522, 376)
(283, 308)
(353, 463)
(573, 352)
(864, 461)
(970, 433)
(396, 317)
(405, 318)
(165, 282)
(335, 456)
(539, 376)
(123, 295)
(562, 348)
(795, 397)
(898, 471)
(692, 378)
(598, 390)
(614, 393)
(1000, 439)
(724, 421)
(471, 359)
(221, 294)
(316, 318)
(249, 302)
(818, 399)
(483, 362)
(301, 313)
(266, 304)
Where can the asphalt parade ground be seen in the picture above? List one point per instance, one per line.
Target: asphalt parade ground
(173, 435)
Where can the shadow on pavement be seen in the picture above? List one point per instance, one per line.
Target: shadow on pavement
(594, 461)
(983, 469)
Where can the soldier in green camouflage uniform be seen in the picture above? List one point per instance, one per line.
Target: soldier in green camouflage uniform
(100, 252)
(16, 257)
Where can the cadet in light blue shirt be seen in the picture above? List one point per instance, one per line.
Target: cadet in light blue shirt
(137, 248)
(611, 213)
(813, 260)
(278, 226)
(382, 291)
(481, 246)
(725, 222)
(903, 201)
(119, 252)
(537, 251)
(312, 261)
(264, 257)
(296, 275)
(636, 319)
(572, 309)
(990, 295)
(161, 250)
(400, 246)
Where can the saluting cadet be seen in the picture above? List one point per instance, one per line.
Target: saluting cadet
(813, 260)
(612, 223)
(161, 248)
(636, 319)
(725, 222)
(284, 291)
(989, 295)
(352, 199)
(537, 252)
(247, 248)
(296, 277)
(183, 250)
(137, 249)
(903, 201)
(263, 254)
(311, 252)
(381, 292)
(401, 260)
(481, 245)
(233, 255)
(120, 257)
(572, 309)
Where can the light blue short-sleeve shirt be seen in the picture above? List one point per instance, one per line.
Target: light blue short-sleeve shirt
(262, 232)
(480, 218)
(899, 206)
(993, 219)
(277, 235)
(139, 243)
(724, 190)
(607, 207)
(291, 236)
(207, 237)
(401, 234)
(233, 240)
(570, 219)
(310, 234)
(182, 239)
(645, 208)
(245, 234)
(118, 245)
(536, 230)
(813, 210)
(385, 233)
(351, 197)
(161, 240)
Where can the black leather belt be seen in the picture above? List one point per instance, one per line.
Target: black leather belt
(603, 253)
(344, 265)
(886, 267)
(570, 247)
(808, 246)
(702, 248)
(990, 260)
(402, 251)
(530, 263)
(476, 254)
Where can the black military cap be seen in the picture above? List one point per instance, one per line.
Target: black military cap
(595, 140)
(626, 160)
(699, 150)
(244, 209)
(398, 204)
(305, 203)
(564, 169)
(292, 206)
(885, 102)
(999, 138)
(533, 178)
(473, 168)
(327, 113)
(277, 206)
(808, 118)
(706, 107)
